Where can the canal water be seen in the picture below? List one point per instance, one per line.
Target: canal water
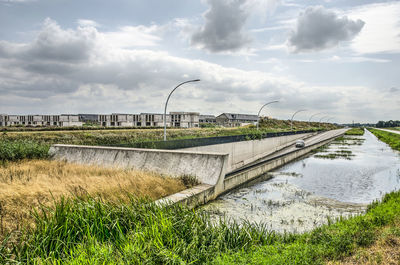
(337, 180)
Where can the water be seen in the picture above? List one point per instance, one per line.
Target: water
(306, 193)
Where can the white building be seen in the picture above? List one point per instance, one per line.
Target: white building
(64, 120)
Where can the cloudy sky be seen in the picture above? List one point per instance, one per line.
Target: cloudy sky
(338, 57)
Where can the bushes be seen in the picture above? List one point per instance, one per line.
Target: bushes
(22, 149)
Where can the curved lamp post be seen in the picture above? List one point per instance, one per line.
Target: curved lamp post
(166, 103)
(319, 123)
(329, 119)
(258, 115)
(323, 118)
(314, 115)
(291, 121)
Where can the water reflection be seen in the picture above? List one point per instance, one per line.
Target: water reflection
(305, 193)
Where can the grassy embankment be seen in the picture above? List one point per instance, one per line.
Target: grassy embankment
(91, 231)
(391, 139)
(35, 144)
(355, 131)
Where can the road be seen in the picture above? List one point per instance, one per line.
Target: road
(391, 131)
(308, 141)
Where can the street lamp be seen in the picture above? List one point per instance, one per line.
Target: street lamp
(166, 103)
(314, 115)
(322, 118)
(319, 123)
(329, 119)
(291, 121)
(258, 115)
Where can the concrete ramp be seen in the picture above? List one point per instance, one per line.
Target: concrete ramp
(208, 168)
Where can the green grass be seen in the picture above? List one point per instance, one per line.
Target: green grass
(355, 131)
(391, 139)
(22, 149)
(90, 231)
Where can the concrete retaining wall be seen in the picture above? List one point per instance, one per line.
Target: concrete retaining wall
(208, 168)
(257, 170)
(245, 152)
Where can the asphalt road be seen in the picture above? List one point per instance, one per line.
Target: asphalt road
(391, 131)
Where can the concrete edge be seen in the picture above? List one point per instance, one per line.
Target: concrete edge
(136, 149)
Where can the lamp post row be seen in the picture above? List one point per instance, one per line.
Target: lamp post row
(258, 115)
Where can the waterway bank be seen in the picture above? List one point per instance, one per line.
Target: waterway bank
(336, 181)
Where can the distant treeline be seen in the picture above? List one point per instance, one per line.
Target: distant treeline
(383, 124)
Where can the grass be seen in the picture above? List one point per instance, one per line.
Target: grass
(346, 154)
(355, 131)
(93, 231)
(22, 149)
(28, 184)
(391, 139)
(130, 136)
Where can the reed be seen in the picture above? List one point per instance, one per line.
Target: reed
(28, 184)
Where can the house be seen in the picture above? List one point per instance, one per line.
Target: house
(235, 119)
(207, 119)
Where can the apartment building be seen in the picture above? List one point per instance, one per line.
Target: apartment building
(179, 119)
(64, 120)
(184, 119)
(174, 119)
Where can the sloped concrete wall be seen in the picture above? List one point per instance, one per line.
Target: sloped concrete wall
(208, 168)
(242, 153)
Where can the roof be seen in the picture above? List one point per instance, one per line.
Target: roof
(207, 117)
(238, 116)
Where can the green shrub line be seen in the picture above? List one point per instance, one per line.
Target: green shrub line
(392, 139)
(22, 149)
(91, 231)
(355, 131)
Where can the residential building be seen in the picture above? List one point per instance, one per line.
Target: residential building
(235, 119)
(207, 119)
(184, 119)
(63, 120)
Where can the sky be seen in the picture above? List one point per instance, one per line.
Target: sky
(338, 58)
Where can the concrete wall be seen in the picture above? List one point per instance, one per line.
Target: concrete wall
(208, 168)
(242, 153)
(201, 194)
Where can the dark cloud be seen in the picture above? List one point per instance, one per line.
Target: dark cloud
(318, 28)
(223, 29)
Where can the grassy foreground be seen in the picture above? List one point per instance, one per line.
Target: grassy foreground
(28, 184)
(93, 231)
(391, 139)
(355, 131)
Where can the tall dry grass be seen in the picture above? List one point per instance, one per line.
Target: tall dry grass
(27, 184)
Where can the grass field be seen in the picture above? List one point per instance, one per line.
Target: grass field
(391, 139)
(30, 183)
(355, 131)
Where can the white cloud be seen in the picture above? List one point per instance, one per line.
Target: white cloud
(319, 28)
(381, 33)
(87, 23)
